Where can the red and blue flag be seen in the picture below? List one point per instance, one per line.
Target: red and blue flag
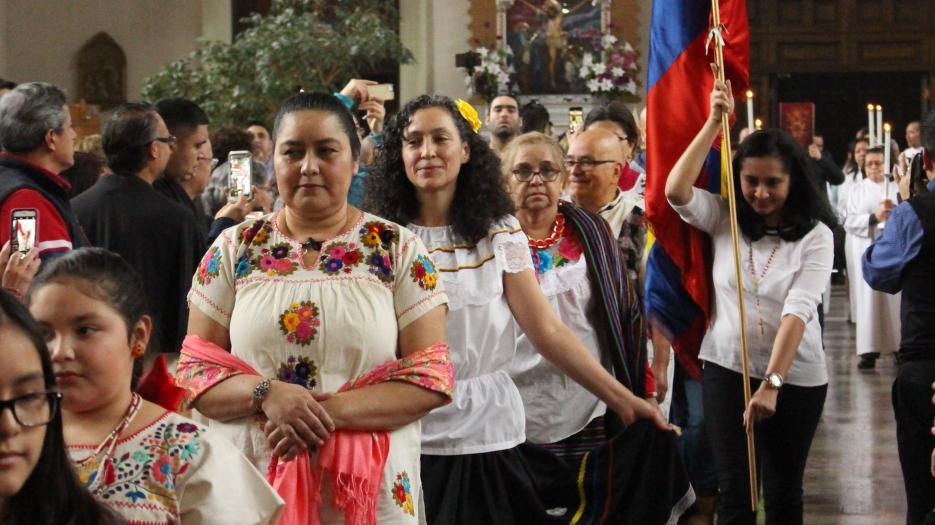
(678, 268)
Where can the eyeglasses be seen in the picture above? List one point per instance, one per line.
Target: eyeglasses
(166, 140)
(33, 410)
(526, 174)
(873, 163)
(586, 164)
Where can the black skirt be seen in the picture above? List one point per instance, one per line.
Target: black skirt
(636, 478)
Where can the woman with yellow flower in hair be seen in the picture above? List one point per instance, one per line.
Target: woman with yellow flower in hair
(319, 340)
(435, 174)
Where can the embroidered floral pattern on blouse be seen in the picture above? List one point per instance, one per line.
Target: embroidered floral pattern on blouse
(300, 323)
(340, 257)
(566, 251)
(374, 234)
(381, 265)
(423, 272)
(277, 260)
(402, 494)
(244, 266)
(258, 234)
(299, 371)
(148, 476)
(209, 267)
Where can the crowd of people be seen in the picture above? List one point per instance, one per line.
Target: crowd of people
(411, 319)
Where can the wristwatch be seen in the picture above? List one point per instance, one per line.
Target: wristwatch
(774, 381)
(260, 391)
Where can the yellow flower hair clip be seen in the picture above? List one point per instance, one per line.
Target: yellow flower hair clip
(469, 113)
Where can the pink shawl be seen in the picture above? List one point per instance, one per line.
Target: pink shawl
(352, 460)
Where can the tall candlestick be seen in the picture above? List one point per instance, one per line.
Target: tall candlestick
(887, 140)
(886, 167)
(758, 124)
(879, 125)
(750, 110)
(871, 122)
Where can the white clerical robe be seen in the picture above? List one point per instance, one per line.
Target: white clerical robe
(840, 209)
(877, 313)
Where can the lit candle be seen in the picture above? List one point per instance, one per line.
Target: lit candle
(879, 125)
(887, 138)
(871, 133)
(886, 166)
(750, 110)
(759, 124)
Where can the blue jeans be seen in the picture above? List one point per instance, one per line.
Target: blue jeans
(688, 413)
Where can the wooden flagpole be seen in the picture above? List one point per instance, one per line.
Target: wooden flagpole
(735, 238)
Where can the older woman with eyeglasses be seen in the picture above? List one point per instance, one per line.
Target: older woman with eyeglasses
(583, 275)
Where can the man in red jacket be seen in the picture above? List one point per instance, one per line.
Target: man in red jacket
(38, 144)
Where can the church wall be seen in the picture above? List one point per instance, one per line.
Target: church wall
(40, 39)
(3, 46)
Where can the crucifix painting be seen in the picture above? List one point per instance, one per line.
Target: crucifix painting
(548, 39)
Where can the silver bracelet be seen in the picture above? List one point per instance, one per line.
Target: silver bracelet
(260, 391)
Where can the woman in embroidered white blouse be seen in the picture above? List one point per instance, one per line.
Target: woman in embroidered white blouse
(436, 174)
(787, 252)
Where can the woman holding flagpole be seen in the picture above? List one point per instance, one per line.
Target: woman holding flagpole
(787, 253)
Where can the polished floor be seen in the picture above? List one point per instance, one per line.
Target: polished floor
(853, 474)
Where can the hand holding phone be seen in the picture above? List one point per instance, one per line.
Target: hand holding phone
(575, 120)
(23, 230)
(239, 182)
(381, 91)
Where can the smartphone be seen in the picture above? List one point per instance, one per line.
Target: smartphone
(241, 174)
(382, 91)
(23, 230)
(575, 119)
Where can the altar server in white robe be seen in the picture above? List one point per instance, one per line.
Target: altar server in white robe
(877, 314)
(852, 174)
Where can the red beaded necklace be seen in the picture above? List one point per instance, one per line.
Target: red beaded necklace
(558, 228)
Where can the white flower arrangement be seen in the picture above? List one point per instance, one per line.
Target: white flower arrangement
(494, 75)
(612, 69)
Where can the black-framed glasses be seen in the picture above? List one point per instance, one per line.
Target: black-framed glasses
(33, 410)
(525, 174)
(171, 139)
(586, 164)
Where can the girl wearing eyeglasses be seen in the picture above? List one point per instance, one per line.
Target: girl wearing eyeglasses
(37, 484)
(150, 465)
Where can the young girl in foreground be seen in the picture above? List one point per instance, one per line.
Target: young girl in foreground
(148, 464)
(37, 485)
(786, 251)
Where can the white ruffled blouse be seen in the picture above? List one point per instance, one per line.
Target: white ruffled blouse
(486, 413)
(556, 406)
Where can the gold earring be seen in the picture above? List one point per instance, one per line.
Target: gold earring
(138, 351)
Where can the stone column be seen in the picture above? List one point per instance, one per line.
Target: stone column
(502, 7)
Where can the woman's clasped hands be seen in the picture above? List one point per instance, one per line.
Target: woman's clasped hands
(297, 422)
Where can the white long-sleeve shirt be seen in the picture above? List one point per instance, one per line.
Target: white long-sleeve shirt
(789, 279)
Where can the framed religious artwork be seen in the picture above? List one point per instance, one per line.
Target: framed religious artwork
(555, 49)
(548, 39)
